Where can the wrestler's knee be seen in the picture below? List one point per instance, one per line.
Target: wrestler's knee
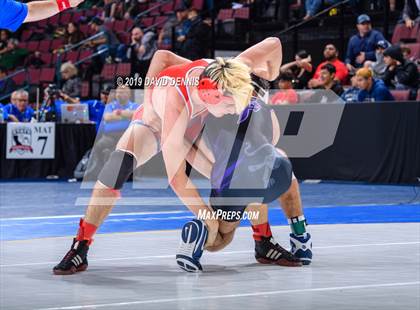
(117, 169)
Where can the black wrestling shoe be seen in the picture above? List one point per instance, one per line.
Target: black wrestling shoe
(75, 260)
(268, 251)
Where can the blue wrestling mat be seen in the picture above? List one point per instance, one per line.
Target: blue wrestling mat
(47, 209)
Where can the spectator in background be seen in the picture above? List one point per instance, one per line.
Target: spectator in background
(196, 43)
(72, 34)
(286, 94)
(392, 5)
(19, 110)
(70, 91)
(3, 114)
(314, 6)
(328, 81)
(331, 57)
(14, 55)
(371, 89)
(4, 37)
(119, 11)
(301, 69)
(119, 110)
(116, 119)
(97, 107)
(109, 7)
(361, 46)
(142, 46)
(140, 51)
(400, 73)
(406, 51)
(134, 8)
(165, 35)
(182, 28)
(351, 94)
(411, 13)
(6, 85)
(379, 66)
(106, 41)
(34, 60)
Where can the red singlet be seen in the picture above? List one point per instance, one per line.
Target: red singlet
(181, 72)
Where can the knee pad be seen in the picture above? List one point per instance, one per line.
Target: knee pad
(117, 169)
(280, 180)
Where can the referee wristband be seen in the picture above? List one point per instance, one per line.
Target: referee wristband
(63, 5)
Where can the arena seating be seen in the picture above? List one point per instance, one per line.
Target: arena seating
(402, 33)
(401, 95)
(414, 48)
(33, 38)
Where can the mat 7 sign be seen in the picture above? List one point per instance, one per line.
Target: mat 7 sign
(30, 141)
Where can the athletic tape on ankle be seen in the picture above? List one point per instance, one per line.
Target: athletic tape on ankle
(298, 224)
(86, 231)
(63, 5)
(261, 230)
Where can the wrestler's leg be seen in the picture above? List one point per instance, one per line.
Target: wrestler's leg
(104, 197)
(137, 145)
(267, 250)
(291, 203)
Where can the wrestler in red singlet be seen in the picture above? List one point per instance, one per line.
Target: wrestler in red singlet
(182, 72)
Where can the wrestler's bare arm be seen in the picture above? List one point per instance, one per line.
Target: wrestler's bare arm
(276, 128)
(264, 58)
(201, 158)
(174, 151)
(161, 60)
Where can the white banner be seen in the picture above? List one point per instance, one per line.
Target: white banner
(30, 141)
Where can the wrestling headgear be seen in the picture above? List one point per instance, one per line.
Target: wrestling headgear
(208, 90)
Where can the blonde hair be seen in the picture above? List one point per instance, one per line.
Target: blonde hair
(364, 73)
(234, 77)
(68, 66)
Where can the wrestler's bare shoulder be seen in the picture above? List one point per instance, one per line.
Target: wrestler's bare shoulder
(166, 99)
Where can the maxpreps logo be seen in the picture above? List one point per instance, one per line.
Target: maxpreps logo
(22, 141)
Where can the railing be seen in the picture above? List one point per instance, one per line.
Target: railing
(72, 47)
(81, 43)
(154, 25)
(212, 12)
(295, 28)
(11, 76)
(79, 62)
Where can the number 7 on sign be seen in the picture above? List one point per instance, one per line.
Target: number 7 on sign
(45, 142)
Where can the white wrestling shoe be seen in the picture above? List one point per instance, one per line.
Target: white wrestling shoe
(191, 247)
(302, 247)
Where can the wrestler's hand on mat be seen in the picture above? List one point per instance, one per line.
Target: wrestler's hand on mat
(213, 229)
